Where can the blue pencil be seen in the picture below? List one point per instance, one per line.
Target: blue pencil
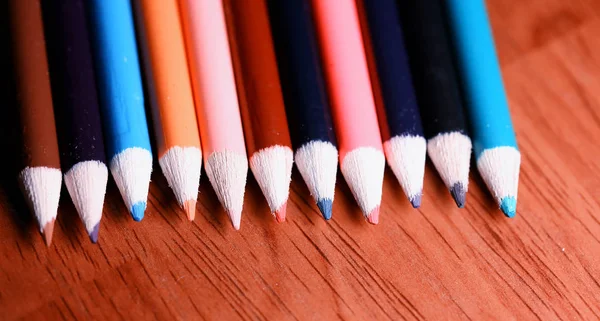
(498, 157)
(122, 101)
(405, 149)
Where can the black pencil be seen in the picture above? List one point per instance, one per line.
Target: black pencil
(438, 93)
(405, 147)
(76, 108)
(305, 98)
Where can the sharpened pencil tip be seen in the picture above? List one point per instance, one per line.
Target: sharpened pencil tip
(325, 206)
(415, 200)
(458, 193)
(508, 205)
(94, 233)
(280, 213)
(190, 209)
(137, 211)
(47, 232)
(373, 217)
(236, 219)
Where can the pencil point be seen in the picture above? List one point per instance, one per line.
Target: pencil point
(373, 217)
(280, 213)
(458, 193)
(47, 232)
(325, 206)
(508, 205)
(415, 200)
(236, 219)
(94, 233)
(137, 211)
(190, 209)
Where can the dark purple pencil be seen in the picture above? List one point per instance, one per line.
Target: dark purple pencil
(76, 108)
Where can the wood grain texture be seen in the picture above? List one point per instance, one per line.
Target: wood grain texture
(438, 262)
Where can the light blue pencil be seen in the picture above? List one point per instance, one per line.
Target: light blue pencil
(122, 100)
(498, 157)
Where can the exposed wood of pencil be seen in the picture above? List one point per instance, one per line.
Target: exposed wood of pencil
(434, 263)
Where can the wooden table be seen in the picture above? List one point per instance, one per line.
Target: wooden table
(437, 263)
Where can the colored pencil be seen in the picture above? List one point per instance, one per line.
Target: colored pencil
(498, 157)
(122, 101)
(217, 105)
(406, 147)
(168, 80)
(306, 100)
(76, 108)
(261, 101)
(438, 93)
(353, 108)
(40, 177)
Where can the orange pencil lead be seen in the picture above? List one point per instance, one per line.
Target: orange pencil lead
(280, 213)
(47, 232)
(373, 217)
(190, 208)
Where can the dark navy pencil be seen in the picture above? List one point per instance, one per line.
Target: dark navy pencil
(76, 108)
(305, 98)
(438, 92)
(405, 147)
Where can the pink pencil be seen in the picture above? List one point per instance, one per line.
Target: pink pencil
(217, 106)
(353, 107)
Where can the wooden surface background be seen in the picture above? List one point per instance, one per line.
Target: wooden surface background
(436, 263)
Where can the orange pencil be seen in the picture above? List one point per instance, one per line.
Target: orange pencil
(176, 129)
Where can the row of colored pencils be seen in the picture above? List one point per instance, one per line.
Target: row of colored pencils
(224, 78)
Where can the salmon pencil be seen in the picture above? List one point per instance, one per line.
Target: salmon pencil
(177, 137)
(76, 108)
(122, 101)
(262, 108)
(40, 177)
(353, 107)
(217, 106)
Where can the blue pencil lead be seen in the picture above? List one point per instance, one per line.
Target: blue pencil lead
(94, 233)
(416, 200)
(508, 205)
(137, 211)
(325, 206)
(458, 193)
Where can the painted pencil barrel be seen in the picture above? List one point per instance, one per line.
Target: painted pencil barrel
(347, 75)
(212, 76)
(485, 97)
(301, 75)
(118, 76)
(167, 74)
(392, 67)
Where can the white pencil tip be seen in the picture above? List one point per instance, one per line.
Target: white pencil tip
(406, 157)
(227, 172)
(499, 167)
(451, 156)
(182, 166)
(131, 170)
(363, 170)
(272, 168)
(41, 187)
(317, 162)
(86, 183)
